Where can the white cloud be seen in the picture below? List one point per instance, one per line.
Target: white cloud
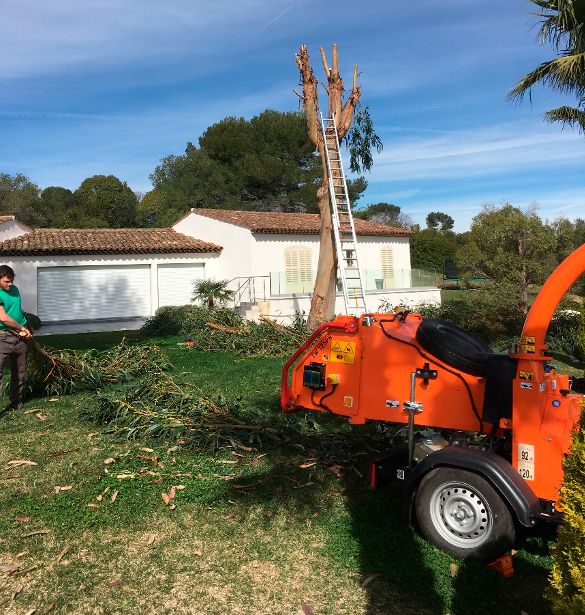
(486, 151)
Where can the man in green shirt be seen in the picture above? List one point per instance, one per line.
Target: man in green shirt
(13, 335)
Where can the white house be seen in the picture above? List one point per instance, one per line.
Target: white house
(96, 279)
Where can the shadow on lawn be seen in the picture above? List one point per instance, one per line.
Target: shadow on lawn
(400, 572)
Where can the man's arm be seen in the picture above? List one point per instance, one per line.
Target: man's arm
(12, 324)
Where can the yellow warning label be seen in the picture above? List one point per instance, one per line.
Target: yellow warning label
(528, 339)
(527, 375)
(342, 352)
(528, 349)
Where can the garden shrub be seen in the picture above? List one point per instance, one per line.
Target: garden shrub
(580, 341)
(562, 332)
(567, 590)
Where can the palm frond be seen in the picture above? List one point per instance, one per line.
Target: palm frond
(565, 74)
(567, 116)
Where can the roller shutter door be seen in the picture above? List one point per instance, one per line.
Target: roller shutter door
(93, 292)
(175, 282)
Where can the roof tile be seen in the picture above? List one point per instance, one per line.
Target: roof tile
(48, 241)
(305, 224)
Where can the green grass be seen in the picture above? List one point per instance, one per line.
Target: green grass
(253, 531)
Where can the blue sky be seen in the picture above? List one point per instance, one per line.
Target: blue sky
(109, 87)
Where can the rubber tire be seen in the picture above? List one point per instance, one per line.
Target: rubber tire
(502, 533)
(454, 346)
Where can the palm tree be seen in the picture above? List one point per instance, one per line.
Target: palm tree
(563, 25)
(212, 292)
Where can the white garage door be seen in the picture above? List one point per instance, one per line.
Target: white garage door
(175, 283)
(90, 293)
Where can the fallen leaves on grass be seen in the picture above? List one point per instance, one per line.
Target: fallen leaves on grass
(59, 488)
(17, 463)
(9, 568)
(151, 539)
(453, 570)
(306, 608)
(109, 461)
(369, 579)
(23, 519)
(169, 498)
(116, 582)
(63, 552)
(114, 496)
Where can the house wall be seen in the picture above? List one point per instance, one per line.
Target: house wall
(236, 256)
(25, 269)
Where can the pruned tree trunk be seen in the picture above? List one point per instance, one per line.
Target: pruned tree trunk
(323, 301)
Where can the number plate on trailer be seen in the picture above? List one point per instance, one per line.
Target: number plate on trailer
(526, 461)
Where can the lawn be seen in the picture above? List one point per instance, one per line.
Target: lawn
(262, 527)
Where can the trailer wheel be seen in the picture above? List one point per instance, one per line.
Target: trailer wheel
(462, 514)
(454, 345)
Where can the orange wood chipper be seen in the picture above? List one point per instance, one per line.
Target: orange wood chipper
(486, 432)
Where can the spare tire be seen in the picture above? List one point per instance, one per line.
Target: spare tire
(454, 346)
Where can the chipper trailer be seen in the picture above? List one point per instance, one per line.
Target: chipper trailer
(487, 432)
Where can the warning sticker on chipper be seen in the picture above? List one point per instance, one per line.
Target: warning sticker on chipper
(526, 461)
(342, 351)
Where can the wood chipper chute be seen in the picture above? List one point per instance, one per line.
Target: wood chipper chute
(487, 432)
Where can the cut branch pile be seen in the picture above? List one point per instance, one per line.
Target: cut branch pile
(59, 372)
(161, 408)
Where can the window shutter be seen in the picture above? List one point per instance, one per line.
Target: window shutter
(388, 267)
(298, 273)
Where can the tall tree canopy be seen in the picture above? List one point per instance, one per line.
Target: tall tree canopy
(107, 201)
(440, 221)
(20, 197)
(562, 25)
(384, 213)
(266, 163)
(511, 247)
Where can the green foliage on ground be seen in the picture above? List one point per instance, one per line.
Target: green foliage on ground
(224, 329)
(567, 591)
(58, 372)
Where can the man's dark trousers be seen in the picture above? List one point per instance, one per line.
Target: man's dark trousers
(13, 348)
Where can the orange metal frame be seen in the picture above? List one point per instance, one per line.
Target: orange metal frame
(369, 364)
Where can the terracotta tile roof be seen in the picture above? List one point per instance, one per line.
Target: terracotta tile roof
(305, 224)
(4, 219)
(103, 241)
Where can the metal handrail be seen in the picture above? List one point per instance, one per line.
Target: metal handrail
(248, 285)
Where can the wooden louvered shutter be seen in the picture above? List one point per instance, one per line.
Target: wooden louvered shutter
(388, 267)
(297, 269)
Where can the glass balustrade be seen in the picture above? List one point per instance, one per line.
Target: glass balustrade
(291, 283)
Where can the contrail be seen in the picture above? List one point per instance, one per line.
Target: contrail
(271, 22)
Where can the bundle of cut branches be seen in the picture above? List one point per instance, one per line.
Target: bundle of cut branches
(161, 408)
(58, 372)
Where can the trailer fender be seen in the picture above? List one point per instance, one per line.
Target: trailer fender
(495, 469)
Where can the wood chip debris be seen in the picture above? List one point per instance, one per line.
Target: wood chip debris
(151, 539)
(23, 519)
(109, 461)
(17, 463)
(114, 496)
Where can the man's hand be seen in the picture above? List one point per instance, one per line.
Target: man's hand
(25, 333)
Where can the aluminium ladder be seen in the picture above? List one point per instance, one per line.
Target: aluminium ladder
(343, 226)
